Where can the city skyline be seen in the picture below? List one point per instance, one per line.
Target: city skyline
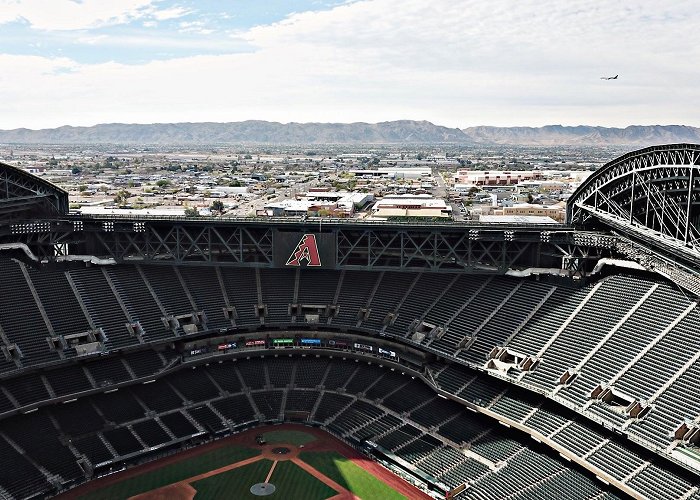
(458, 64)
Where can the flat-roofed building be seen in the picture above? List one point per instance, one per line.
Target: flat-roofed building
(394, 173)
(408, 205)
(496, 177)
(332, 203)
(556, 211)
(516, 219)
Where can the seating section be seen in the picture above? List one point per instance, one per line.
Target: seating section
(355, 289)
(151, 433)
(468, 320)
(37, 436)
(139, 302)
(103, 306)
(300, 401)
(18, 475)
(94, 449)
(225, 376)
(20, 317)
(391, 289)
(123, 441)
(280, 370)
(631, 333)
(27, 389)
(574, 342)
(236, 409)
(108, 371)
(548, 479)
(269, 403)
(277, 294)
(455, 297)
(317, 288)
(178, 424)
(241, 288)
(202, 284)
(511, 314)
(429, 285)
(655, 314)
(59, 301)
(207, 419)
(438, 437)
(314, 370)
(175, 301)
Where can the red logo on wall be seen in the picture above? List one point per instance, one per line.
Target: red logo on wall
(306, 250)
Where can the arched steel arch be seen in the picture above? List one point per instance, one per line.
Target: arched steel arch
(651, 194)
(23, 195)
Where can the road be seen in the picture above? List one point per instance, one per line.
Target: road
(441, 190)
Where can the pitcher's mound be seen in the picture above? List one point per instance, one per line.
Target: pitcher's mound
(262, 489)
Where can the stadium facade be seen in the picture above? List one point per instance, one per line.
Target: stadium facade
(487, 361)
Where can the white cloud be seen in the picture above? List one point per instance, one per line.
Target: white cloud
(456, 63)
(198, 27)
(172, 13)
(71, 14)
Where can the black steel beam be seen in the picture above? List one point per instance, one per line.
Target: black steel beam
(444, 248)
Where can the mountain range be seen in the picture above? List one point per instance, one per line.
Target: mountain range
(392, 132)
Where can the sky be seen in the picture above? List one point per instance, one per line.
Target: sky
(456, 63)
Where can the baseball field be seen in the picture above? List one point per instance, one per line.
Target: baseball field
(295, 462)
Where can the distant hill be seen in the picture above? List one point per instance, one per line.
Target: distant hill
(253, 131)
(553, 135)
(393, 132)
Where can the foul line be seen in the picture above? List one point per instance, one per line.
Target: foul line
(269, 474)
(202, 476)
(323, 478)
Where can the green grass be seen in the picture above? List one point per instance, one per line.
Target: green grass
(173, 473)
(288, 437)
(290, 480)
(237, 480)
(294, 482)
(347, 474)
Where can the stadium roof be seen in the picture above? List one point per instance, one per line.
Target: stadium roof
(652, 194)
(23, 195)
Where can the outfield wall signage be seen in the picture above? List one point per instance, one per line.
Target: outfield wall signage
(226, 346)
(363, 347)
(305, 250)
(255, 343)
(338, 344)
(316, 342)
(282, 341)
(387, 353)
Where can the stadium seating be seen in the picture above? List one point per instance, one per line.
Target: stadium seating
(355, 289)
(103, 306)
(425, 431)
(139, 302)
(633, 333)
(278, 287)
(202, 284)
(20, 317)
(241, 290)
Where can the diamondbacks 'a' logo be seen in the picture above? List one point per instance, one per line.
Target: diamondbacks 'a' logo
(306, 250)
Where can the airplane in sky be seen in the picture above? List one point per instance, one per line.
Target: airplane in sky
(609, 77)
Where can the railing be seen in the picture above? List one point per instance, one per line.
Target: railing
(311, 220)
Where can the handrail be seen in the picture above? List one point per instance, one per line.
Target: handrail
(310, 220)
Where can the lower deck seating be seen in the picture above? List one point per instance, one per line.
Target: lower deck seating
(115, 425)
(600, 328)
(568, 327)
